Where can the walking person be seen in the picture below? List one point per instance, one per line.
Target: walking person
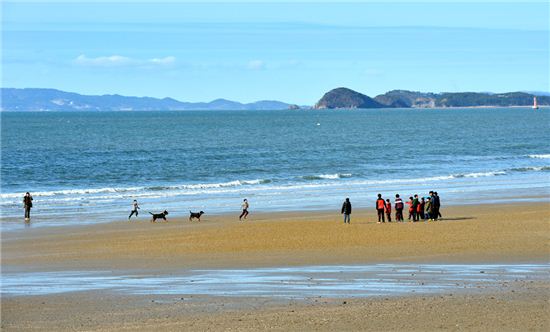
(245, 207)
(398, 208)
(380, 207)
(388, 209)
(27, 204)
(346, 211)
(135, 208)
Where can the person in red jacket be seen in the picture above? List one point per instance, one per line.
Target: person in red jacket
(388, 209)
(380, 207)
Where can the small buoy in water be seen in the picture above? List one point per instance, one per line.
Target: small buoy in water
(318, 124)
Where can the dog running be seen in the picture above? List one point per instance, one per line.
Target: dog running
(161, 215)
(196, 215)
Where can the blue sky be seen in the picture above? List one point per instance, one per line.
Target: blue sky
(283, 50)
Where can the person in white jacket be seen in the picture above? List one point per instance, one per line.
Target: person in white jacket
(245, 206)
(135, 208)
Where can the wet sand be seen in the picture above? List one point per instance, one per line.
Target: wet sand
(521, 308)
(468, 234)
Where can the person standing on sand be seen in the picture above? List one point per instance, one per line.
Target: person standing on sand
(435, 206)
(438, 205)
(135, 208)
(388, 209)
(245, 209)
(27, 204)
(410, 204)
(428, 207)
(435, 203)
(420, 209)
(346, 211)
(415, 203)
(398, 208)
(380, 206)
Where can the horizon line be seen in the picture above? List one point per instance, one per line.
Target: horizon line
(533, 92)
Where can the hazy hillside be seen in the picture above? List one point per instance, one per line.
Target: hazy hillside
(56, 100)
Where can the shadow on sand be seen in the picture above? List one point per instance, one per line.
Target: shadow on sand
(456, 218)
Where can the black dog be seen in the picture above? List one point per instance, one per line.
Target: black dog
(159, 216)
(195, 215)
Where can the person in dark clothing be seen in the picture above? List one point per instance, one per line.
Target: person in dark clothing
(398, 208)
(380, 207)
(439, 207)
(27, 204)
(415, 203)
(388, 210)
(346, 211)
(435, 205)
(410, 204)
(420, 209)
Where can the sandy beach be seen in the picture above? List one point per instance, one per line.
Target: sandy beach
(517, 233)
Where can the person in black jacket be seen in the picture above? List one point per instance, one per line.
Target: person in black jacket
(435, 205)
(438, 205)
(27, 203)
(346, 211)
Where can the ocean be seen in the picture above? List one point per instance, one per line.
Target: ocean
(87, 167)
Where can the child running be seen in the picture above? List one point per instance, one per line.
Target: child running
(245, 209)
(388, 209)
(135, 208)
(380, 206)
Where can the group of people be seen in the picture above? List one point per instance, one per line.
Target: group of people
(425, 208)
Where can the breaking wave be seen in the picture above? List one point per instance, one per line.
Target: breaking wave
(89, 191)
(327, 176)
(539, 156)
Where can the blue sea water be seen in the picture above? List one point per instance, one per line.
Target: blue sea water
(88, 167)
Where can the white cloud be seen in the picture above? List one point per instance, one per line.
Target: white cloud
(169, 60)
(256, 65)
(103, 61)
(122, 61)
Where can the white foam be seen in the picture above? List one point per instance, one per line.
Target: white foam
(540, 156)
(482, 174)
(133, 190)
(334, 176)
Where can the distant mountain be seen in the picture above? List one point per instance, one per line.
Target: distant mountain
(56, 100)
(538, 93)
(346, 98)
(404, 98)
